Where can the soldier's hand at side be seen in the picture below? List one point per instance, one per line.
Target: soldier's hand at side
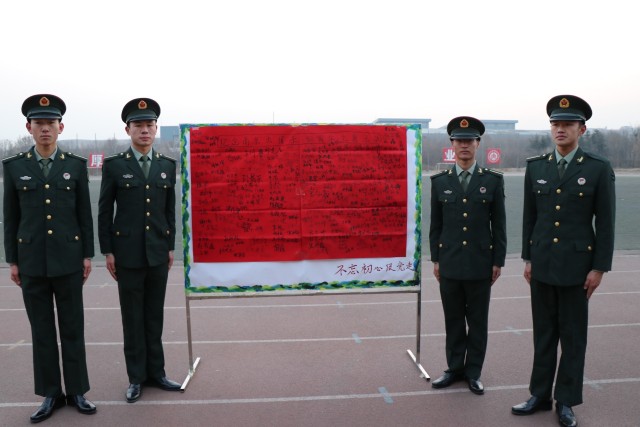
(593, 281)
(111, 265)
(527, 272)
(15, 274)
(496, 274)
(170, 259)
(436, 271)
(86, 269)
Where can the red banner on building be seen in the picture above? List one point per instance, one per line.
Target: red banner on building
(448, 155)
(493, 156)
(95, 160)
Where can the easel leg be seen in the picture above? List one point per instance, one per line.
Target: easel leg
(416, 358)
(192, 365)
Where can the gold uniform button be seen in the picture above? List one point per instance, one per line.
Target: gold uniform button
(440, 245)
(146, 186)
(48, 216)
(46, 186)
(68, 188)
(555, 240)
(19, 240)
(77, 237)
(589, 247)
(165, 187)
(147, 228)
(24, 188)
(148, 200)
(559, 191)
(168, 232)
(148, 213)
(557, 207)
(581, 194)
(465, 214)
(490, 246)
(127, 185)
(557, 224)
(464, 200)
(50, 232)
(47, 201)
(464, 228)
(117, 233)
(464, 243)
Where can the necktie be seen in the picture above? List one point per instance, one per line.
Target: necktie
(145, 166)
(45, 166)
(562, 165)
(463, 179)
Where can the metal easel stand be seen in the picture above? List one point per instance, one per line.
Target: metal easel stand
(416, 358)
(194, 364)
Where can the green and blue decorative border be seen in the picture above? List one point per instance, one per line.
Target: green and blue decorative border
(319, 286)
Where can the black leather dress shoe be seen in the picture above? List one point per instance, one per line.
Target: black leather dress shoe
(565, 415)
(446, 380)
(476, 386)
(165, 384)
(532, 405)
(84, 406)
(133, 392)
(49, 405)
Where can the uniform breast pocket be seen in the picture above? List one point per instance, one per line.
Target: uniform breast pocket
(483, 199)
(585, 193)
(28, 194)
(164, 185)
(541, 190)
(448, 203)
(582, 198)
(66, 193)
(447, 199)
(162, 188)
(127, 184)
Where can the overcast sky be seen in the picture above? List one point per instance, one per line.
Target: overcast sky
(330, 61)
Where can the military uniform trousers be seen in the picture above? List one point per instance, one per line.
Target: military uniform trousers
(142, 293)
(38, 294)
(560, 314)
(466, 317)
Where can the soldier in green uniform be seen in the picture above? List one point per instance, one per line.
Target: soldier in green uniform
(136, 228)
(468, 243)
(567, 244)
(48, 240)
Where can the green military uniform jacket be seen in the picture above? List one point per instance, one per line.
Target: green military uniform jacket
(467, 234)
(558, 234)
(48, 227)
(140, 227)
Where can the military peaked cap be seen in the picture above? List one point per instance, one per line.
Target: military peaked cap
(43, 106)
(568, 107)
(140, 109)
(465, 127)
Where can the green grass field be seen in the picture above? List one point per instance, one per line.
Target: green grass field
(627, 199)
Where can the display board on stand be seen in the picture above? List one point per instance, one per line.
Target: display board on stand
(274, 210)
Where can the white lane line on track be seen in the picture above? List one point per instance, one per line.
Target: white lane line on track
(17, 344)
(385, 394)
(515, 331)
(330, 339)
(391, 395)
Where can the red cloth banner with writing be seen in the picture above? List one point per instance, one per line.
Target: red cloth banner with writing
(291, 193)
